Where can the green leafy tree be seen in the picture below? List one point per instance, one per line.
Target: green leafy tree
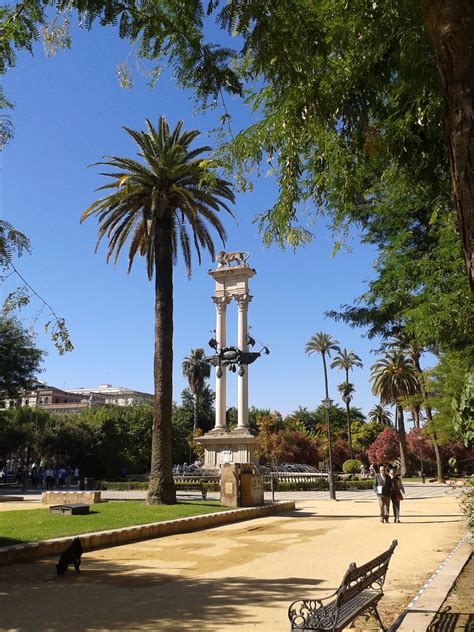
(302, 416)
(338, 417)
(394, 378)
(364, 434)
(13, 436)
(158, 203)
(464, 412)
(20, 359)
(254, 414)
(206, 400)
(338, 128)
(445, 384)
(196, 370)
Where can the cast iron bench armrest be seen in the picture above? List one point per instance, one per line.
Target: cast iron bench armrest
(315, 612)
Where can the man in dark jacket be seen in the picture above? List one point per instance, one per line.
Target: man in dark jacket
(383, 489)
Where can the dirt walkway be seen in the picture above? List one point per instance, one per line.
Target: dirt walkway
(240, 576)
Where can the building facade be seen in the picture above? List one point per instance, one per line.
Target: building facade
(54, 399)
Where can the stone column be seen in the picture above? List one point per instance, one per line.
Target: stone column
(221, 303)
(243, 301)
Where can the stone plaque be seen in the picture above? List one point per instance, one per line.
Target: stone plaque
(230, 484)
(225, 456)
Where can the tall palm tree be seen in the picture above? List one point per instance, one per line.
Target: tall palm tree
(405, 343)
(346, 389)
(196, 370)
(394, 378)
(164, 203)
(380, 415)
(323, 344)
(347, 360)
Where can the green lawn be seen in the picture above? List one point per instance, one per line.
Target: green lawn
(31, 525)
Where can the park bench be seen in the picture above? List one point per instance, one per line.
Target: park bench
(360, 591)
(191, 486)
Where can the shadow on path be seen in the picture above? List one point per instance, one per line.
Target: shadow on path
(108, 596)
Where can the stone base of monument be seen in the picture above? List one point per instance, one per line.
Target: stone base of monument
(240, 486)
(228, 446)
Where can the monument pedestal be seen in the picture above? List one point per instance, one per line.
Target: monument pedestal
(228, 446)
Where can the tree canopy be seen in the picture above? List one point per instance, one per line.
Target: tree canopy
(20, 359)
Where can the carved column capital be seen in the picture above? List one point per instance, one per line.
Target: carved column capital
(243, 301)
(221, 303)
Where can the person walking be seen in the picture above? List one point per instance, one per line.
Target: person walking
(383, 489)
(49, 478)
(397, 492)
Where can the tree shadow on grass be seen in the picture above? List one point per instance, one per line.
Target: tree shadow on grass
(110, 596)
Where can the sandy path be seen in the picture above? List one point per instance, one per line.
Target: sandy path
(242, 576)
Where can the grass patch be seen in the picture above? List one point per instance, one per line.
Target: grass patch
(31, 525)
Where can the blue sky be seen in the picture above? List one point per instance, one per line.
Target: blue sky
(69, 111)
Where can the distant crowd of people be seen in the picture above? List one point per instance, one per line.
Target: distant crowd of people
(43, 475)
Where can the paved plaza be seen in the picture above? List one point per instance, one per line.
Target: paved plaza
(241, 576)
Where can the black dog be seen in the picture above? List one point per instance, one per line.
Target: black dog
(72, 555)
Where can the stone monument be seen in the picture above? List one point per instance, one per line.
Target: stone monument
(240, 444)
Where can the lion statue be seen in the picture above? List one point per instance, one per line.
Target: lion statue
(226, 258)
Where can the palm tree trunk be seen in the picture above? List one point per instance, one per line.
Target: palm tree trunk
(434, 441)
(325, 376)
(416, 415)
(161, 488)
(196, 395)
(349, 429)
(402, 440)
(332, 491)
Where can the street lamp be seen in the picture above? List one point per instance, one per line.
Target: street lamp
(327, 403)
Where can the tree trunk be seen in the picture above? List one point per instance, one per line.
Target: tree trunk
(349, 429)
(402, 440)
(416, 415)
(195, 411)
(161, 488)
(429, 419)
(348, 412)
(326, 389)
(450, 27)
